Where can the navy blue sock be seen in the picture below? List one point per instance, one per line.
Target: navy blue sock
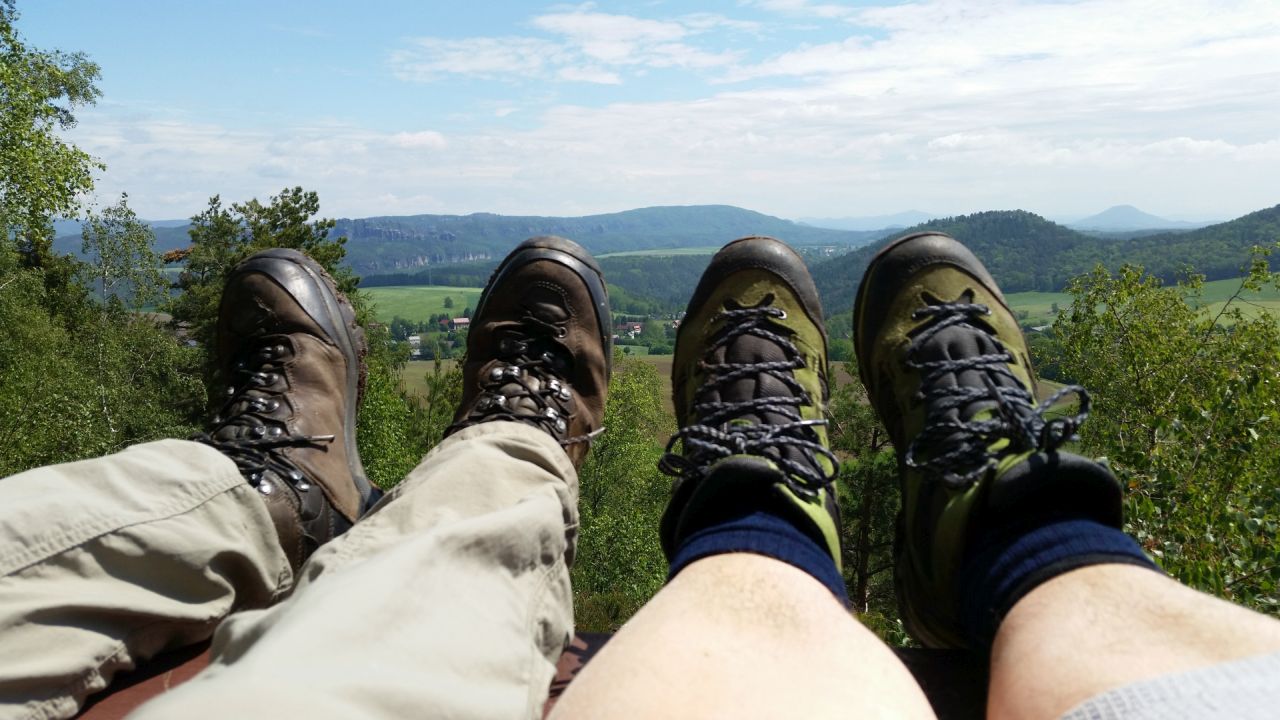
(1009, 563)
(762, 533)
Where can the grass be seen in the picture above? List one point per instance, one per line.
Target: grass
(419, 302)
(1214, 295)
(1038, 305)
(413, 376)
(633, 350)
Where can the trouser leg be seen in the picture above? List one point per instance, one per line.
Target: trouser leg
(106, 562)
(451, 599)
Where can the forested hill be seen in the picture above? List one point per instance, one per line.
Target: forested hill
(1024, 251)
(390, 244)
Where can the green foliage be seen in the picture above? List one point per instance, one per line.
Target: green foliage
(120, 260)
(1185, 410)
(43, 176)
(87, 381)
(77, 378)
(390, 429)
(619, 562)
(869, 501)
(221, 237)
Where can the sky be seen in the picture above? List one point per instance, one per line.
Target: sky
(795, 108)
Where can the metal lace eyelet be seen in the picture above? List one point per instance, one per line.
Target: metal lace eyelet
(496, 373)
(551, 413)
(265, 487)
(272, 405)
(564, 394)
(782, 314)
(259, 430)
(304, 486)
(561, 426)
(276, 432)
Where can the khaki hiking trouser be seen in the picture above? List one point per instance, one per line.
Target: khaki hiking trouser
(449, 599)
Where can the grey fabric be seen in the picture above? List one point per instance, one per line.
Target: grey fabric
(1239, 690)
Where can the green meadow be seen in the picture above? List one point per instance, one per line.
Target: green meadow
(420, 302)
(1214, 295)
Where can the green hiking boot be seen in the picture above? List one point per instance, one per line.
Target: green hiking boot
(750, 387)
(948, 372)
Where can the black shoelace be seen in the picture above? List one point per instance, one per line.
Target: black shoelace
(959, 451)
(526, 360)
(716, 436)
(255, 440)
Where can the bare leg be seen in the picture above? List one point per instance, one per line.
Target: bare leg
(1105, 626)
(743, 636)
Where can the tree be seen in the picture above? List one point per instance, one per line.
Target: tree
(221, 237)
(619, 563)
(43, 175)
(1185, 411)
(120, 259)
(448, 302)
(77, 378)
(868, 499)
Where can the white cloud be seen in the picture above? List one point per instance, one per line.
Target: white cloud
(1063, 107)
(426, 139)
(828, 11)
(588, 75)
(587, 47)
(432, 58)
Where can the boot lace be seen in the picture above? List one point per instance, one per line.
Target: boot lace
(717, 436)
(528, 358)
(959, 451)
(243, 431)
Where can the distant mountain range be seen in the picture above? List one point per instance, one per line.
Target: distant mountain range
(1024, 251)
(1127, 217)
(397, 244)
(870, 222)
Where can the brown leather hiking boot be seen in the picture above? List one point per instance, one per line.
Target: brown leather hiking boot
(538, 351)
(292, 355)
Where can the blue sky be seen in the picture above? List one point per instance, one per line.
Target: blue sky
(791, 107)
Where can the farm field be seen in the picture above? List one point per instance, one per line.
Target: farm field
(1039, 305)
(420, 302)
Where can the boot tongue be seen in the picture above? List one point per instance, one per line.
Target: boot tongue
(960, 344)
(752, 350)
